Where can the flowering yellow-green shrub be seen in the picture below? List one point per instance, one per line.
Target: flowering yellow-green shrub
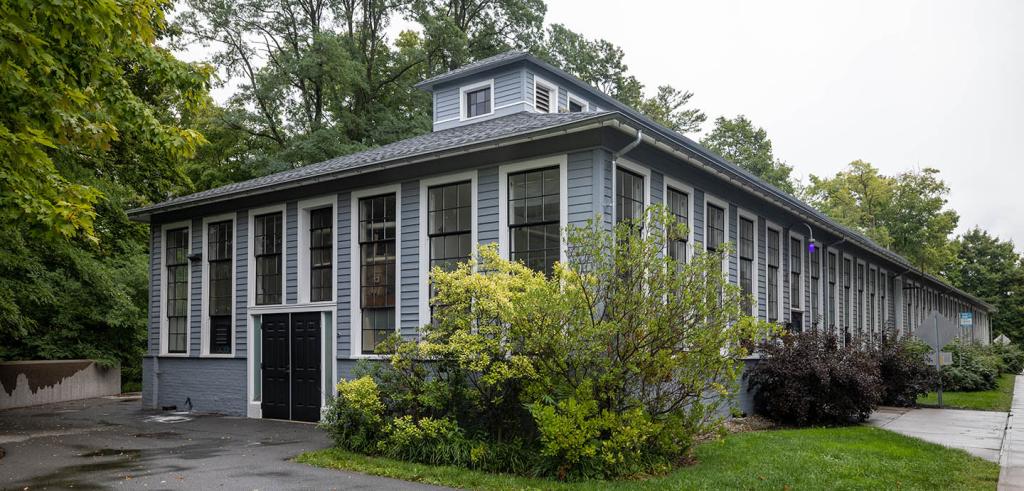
(607, 367)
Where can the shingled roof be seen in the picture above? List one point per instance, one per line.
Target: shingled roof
(485, 131)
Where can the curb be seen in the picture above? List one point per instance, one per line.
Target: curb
(1011, 452)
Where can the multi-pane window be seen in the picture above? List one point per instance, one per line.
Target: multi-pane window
(774, 258)
(679, 207)
(478, 102)
(847, 272)
(884, 291)
(576, 106)
(534, 218)
(716, 228)
(815, 285)
(629, 195)
(746, 254)
(872, 308)
(268, 258)
(321, 252)
(176, 265)
(832, 276)
(377, 259)
(219, 254)
(449, 225)
(860, 297)
(796, 263)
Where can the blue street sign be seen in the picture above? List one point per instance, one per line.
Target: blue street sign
(967, 319)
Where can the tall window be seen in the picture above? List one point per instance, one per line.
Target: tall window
(815, 286)
(832, 276)
(478, 102)
(774, 258)
(219, 252)
(377, 253)
(679, 206)
(746, 253)
(847, 302)
(860, 297)
(449, 225)
(268, 258)
(176, 264)
(872, 297)
(629, 195)
(321, 255)
(796, 264)
(716, 228)
(533, 222)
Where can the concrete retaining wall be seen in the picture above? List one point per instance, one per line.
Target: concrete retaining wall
(29, 383)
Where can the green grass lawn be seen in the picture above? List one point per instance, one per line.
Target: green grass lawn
(856, 457)
(998, 399)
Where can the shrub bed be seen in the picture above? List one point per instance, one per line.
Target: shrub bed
(601, 370)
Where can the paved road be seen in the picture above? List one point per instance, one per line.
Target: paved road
(978, 432)
(113, 443)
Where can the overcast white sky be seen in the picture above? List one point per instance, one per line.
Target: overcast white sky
(895, 83)
(900, 84)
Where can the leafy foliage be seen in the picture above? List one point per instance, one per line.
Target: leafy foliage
(739, 142)
(906, 213)
(992, 269)
(809, 379)
(904, 371)
(66, 92)
(974, 368)
(608, 368)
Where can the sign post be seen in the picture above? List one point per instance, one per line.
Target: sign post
(937, 331)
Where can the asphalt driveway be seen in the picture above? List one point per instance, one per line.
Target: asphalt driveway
(112, 443)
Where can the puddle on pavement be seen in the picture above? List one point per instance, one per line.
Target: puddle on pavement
(158, 435)
(131, 453)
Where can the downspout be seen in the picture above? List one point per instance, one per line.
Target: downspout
(627, 148)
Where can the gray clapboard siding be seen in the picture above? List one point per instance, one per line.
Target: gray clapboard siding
(241, 283)
(291, 284)
(506, 88)
(155, 288)
(580, 187)
(487, 205)
(657, 188)
(344, 286)
(446, 104)
(608, 198)
(196, 289)
(410, 265)
(784, 272)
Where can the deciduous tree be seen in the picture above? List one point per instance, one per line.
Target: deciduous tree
(740, 142)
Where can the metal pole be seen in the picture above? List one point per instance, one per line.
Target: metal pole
(938, 358)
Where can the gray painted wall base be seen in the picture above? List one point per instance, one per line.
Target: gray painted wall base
(214, 385)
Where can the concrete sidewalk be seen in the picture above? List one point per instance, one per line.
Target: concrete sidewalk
(1011, 462)
(980, 433)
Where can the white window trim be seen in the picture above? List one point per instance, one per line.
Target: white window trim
(742, 213)
(305, 207)
(570, 98)
(780, 287)
(635, 168)
(204, 331)
(164, 228)
(356, 312)
(469, 88)
(802, 307)
(552, 104)
(561, 161)
(710, 199)
(251, 256)
(425, 185)
(671, 183)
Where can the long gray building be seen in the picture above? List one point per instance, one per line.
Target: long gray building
(264, 293)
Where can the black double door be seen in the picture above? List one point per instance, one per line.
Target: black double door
(291, 366)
